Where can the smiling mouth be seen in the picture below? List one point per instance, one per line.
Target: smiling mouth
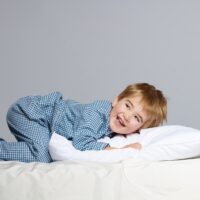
(121, 122)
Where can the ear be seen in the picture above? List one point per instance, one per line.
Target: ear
(115, 101)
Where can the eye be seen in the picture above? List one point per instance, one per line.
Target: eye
(127, 105)
(137, 118)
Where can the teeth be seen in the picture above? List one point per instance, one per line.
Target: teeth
(121, 122)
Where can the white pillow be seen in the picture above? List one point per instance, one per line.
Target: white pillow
(62, 149)
(170, 142)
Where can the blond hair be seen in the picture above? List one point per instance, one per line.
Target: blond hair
(153, 101)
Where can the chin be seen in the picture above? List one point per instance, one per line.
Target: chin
(120, 132)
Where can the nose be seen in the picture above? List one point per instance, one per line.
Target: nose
(128, 116)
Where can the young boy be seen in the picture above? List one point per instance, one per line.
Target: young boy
(33, 119)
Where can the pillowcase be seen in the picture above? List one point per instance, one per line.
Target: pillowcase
(62, 149)
(170, 142)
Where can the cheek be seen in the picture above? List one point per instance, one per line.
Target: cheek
(134, 126)
(112, 114)
(120, 109)
(116, 110)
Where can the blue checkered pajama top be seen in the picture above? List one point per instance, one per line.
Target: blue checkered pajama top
(33, 119)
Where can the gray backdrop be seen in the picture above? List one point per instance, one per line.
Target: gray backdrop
(91, 50)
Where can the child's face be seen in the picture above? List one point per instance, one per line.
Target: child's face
(127, 115)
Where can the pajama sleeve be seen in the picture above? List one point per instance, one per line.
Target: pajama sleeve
(91, 126)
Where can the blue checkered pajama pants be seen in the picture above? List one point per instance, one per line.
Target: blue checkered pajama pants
(28, 124)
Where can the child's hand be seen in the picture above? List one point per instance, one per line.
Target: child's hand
(134, 146)
(109, 148)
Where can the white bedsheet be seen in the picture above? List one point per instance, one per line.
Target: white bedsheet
(127, 180)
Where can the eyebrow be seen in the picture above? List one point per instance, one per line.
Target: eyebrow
(136, 113)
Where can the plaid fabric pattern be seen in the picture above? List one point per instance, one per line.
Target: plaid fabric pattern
(33, 119)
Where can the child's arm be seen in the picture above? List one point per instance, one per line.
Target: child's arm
(133, 145)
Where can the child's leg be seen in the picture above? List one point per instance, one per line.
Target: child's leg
(22, 151)
(27, 122)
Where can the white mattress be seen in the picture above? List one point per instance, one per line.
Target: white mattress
(127, 180)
